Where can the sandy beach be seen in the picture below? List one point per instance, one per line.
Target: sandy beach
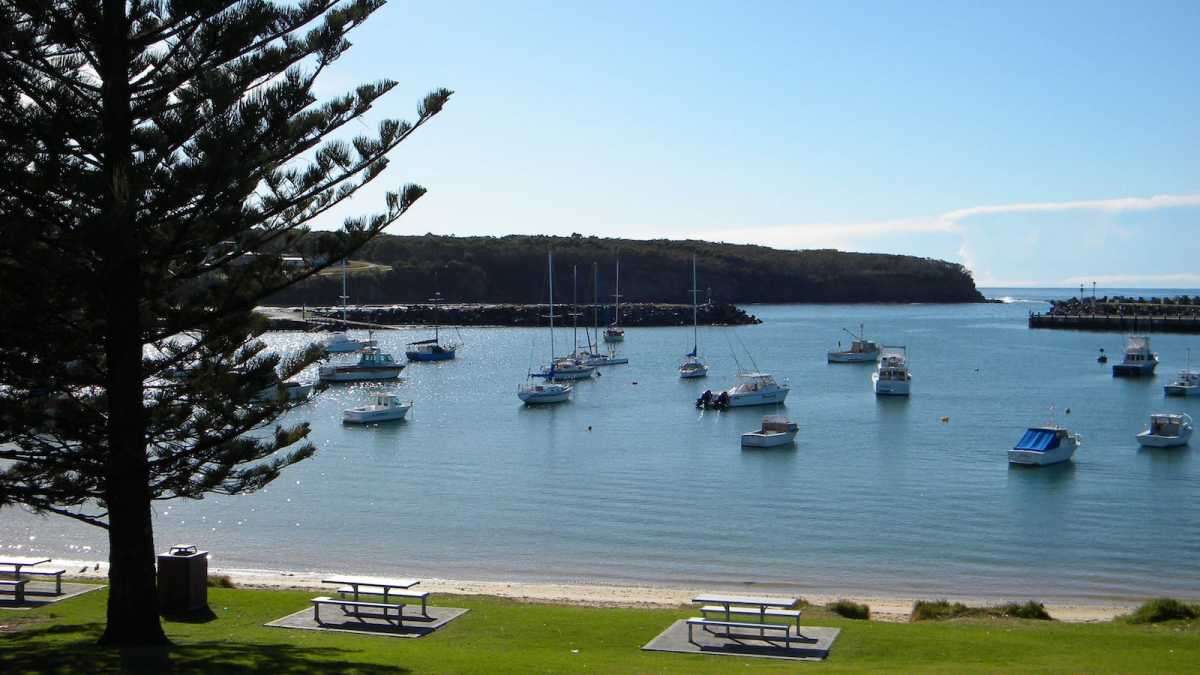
(883, 608)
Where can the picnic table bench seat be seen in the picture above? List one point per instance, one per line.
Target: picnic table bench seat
(762, 628)
(752, 611)
(423, 596)
(14, 586)
(57, 574)
(355, 606)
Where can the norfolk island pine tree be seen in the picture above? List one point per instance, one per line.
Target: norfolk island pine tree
(156, 159)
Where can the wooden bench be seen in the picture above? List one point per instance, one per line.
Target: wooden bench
(423, 596)
(57, 574)
(17, 587)
(753, 611)
(355, 605)
(762, 628)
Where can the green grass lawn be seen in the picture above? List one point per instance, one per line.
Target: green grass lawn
(505, 636)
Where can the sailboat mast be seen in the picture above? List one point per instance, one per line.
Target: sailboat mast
(345, 297)
(695, 320)
(595, 307)
(575, 307)
(436, 296)
(617, 295)
(550, 257)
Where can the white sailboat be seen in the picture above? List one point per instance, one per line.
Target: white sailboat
(340, 343)
(692, 365)
(591, 356)
(614, 332)
(551, 391)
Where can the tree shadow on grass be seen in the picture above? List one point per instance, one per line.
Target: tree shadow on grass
(72, 648)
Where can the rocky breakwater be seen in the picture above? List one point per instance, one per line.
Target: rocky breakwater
(632, 315)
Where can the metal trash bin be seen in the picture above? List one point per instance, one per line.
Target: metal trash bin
(183, 580)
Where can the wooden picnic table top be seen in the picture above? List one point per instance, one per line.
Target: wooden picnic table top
(371, 581)
(761, 601)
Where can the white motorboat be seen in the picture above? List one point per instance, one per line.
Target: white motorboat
(614, 332)
(861, 350)
(340, 343)
(1040, 446)
(1139, 361)
(372, 365)
(1166, 430)
(382, 408)
(1186, 383)
(289, 391)
(892, 377)
(692, 366)
(533, 393)
(748, 390)
(551, 391)
(776, 430)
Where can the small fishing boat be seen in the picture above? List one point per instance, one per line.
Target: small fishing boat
(382, 408)
(1041, 446)
(692, 366)
(340, 343)
(892, 377)
(1139, 361)
(288, 391)
(861, 349)
(776, 430)
(1166, 430)
(1186, 383)
(749, 389)
(533, 393)
(373, 365)
(432, 349)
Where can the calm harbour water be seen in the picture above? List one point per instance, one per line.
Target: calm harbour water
(630, 483)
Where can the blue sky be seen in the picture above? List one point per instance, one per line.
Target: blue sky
(1038, 145)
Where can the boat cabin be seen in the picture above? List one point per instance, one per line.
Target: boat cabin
(751, 382)
(1041, 439)
(373, 358)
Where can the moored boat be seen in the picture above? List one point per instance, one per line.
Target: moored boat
(776, 430)
(1186, 383)
(1166, 430)
(372, 365)
(614, 332)
(892, 377)
(533, 393)
(692, 366)
(749, 389)
(1041, 446)
(288, 391)
(432, 349)
(861, 349)
(340, 343)
(382, 408)
(1139, 361)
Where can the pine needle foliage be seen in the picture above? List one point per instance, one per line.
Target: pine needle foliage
(157, 158)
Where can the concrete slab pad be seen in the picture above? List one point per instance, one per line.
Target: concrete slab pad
(811, 643)
(41, 593)
(332, 619)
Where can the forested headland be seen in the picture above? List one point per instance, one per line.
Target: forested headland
(512, 269)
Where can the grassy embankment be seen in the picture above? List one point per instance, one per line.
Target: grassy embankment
(507, 636)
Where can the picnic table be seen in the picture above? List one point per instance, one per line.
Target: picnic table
(763, 603)
(369, 585)
(18, 563)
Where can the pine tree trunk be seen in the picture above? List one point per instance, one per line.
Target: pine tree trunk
(132, 599)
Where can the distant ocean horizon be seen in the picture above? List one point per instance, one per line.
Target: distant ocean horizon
(1029, 294)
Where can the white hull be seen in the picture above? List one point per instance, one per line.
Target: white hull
(891, 387)
(758, 398)
(1060, 454)
(566, 375)
(770, 439)
(1147, 440)
(537, 394)
(294, 391)
(352, 374)
(693, 372)
(597, 360)
(853, 357)
(356, 416)
(1181, 390)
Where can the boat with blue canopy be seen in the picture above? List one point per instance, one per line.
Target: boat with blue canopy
(1044, 445)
